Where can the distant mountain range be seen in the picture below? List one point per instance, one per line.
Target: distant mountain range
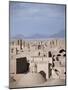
(60, 34)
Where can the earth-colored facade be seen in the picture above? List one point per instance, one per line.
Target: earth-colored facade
(45, 57)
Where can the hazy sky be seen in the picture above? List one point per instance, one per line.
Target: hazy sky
(32, 18)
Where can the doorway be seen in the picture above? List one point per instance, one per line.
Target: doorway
(22, 66)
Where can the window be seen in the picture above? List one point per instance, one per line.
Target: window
(49, 54)
(39, 54)
(39, 46)
(20, 44)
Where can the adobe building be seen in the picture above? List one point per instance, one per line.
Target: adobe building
(37, 56)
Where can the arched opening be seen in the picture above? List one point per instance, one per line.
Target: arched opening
(39, 47)
(57, 58)
(21, 44)
(22, 66)
(62, 50)
(49, 54)
(43, 74)
(64, 55)
(50, 69)
(39, 54)
(58, 54)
